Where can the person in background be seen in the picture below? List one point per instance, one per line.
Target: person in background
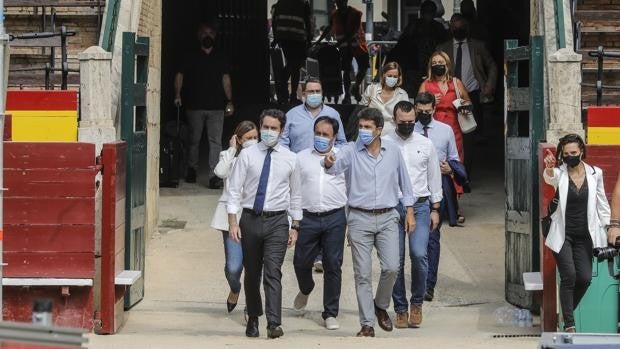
(613, 231)
(203, 87)
(386, 94)
(443, 139)
(423, 168)
(265, 186)
(292, 30)
(245, 136)
(345, 24)
(323, 200)
(376, 176)
(468, 11)
(577, 226)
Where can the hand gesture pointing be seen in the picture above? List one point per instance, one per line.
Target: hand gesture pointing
(549, 159)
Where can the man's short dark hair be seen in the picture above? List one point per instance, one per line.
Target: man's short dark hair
(333, 122)
(428, 6)
(274, 113)
(372, 114)
(312, 80)
(404, 106)
(210, 23)
(425, 98)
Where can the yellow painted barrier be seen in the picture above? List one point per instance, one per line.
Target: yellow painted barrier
(604, 135)
(44, 125)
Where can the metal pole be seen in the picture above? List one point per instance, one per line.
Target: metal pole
(399, 15)
(370, 17)
(599, 76)
(4, 72)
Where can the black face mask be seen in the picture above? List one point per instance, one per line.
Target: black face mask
(424, 118)
(207, 42)
(460, 33)
(405, 129)
(572, 160)
(438, 70)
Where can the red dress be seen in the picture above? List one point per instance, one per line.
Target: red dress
(446, 113)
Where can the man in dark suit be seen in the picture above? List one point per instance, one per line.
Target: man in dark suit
(474, 65)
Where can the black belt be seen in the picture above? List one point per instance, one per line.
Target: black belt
(322, 214)
(422, 199)
(374, 210)
(264, 213)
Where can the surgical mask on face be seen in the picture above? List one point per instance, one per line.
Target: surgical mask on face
(460, 33)
(391, 81)
(249, 143)
(572, 160)
(438, 70)
(322, 144)
(405, 129)
(424, 118)
(314, 100)
(269, 137)
(365, 136)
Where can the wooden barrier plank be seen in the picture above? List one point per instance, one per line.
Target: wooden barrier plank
(29, 155)
(604, 135)
(39, 183)
(603, 117)
(41, 100)
(49, 264)
(33, 211)
(8, 127)
(19, 114)
(49, 238)
(45, 129)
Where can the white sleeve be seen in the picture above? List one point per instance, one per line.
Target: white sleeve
(235, 184)
(223, 167)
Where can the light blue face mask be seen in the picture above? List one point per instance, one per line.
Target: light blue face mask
(314, 100)
(365, 136)
(322, 144)
(391, 81)
(269, 137)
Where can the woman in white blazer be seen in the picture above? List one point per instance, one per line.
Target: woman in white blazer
(578, 224)
(246, 135)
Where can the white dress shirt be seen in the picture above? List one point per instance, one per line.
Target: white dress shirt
(320, 192)
(422, 165)
(283, 186)
(372, 98)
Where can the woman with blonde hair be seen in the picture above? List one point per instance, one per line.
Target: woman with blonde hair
(440, 82)
(385, 94)
(246, 135)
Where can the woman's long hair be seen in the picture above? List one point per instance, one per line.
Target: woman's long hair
(391, 66)
(570, 138)
(243, 128)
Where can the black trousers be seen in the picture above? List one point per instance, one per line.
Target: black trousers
(326, 233)
(264, 241)
(469, 139)
(295, 53)
(575, 267)
(363, 62)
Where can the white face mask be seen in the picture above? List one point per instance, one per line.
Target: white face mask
(269, 137)
(391, 81)
(249, 143)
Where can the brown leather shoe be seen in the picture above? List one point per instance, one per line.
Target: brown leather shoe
(366, 331)
(402, 320)
(415, 317)
(383, 319)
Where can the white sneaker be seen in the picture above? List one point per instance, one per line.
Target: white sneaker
(301, 300)
(331, 323)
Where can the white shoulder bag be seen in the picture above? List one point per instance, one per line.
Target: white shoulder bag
(465, 116)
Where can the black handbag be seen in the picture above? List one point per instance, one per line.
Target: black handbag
(545, 222)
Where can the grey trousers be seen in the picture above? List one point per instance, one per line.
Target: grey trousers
(381, 231)
(213, 122)
(264, 242)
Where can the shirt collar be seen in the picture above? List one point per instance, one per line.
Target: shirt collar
(360, 146)
(305, 107)
(263, 147)
(456, 42)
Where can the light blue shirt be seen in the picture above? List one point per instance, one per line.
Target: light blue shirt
(442, 137)
(373, 182)
(298, 131)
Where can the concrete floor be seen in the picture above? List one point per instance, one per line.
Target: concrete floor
(186, 290)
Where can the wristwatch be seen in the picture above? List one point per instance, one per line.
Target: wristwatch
(436, 209)
(295, 227)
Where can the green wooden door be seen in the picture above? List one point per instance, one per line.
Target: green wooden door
(524, 123)
(133, 130)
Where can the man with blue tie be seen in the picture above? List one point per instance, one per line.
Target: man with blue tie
(376, 175)
(265, 184)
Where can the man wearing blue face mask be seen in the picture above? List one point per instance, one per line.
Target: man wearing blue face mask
(265, 184)
(323, 226)
(376, 175)
(298, 133)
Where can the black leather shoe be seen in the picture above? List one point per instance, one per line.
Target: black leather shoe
(366, 331)
(251, 329)
(216, 183)
(429, 295)
(190, 177)
(274, 331)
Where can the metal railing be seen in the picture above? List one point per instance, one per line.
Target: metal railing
(600, 55)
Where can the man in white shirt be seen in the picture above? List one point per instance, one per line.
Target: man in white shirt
(323, 197)
(423, 168)
(265, 184)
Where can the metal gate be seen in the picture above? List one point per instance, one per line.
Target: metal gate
(524, 128)
(133, 130)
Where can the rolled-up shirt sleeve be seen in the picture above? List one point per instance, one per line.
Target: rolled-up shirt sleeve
(235, 184)
(294, 210)
(405, 182)
(434, 177)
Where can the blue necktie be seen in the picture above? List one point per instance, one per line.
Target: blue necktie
(261, 192)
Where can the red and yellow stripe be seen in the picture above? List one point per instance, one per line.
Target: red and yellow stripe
(604, 125)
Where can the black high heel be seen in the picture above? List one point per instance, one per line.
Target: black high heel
(231, 306)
